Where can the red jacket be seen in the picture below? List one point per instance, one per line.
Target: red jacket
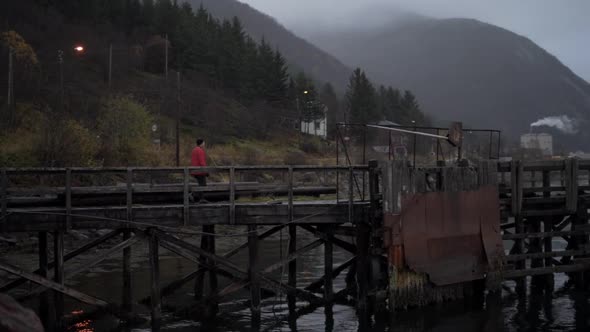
(198, 159)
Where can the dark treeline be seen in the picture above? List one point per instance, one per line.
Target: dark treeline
(365, 103)
(197, 41)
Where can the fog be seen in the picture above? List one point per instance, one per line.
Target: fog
(562, 27)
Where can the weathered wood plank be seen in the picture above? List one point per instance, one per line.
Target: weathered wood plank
(154, 260)
(127, 277)
(292, 256)
(335, 273)
(58, 287)
(253, 273)
(67, 256)
(545, 270)
(563, 253)
(340, 243)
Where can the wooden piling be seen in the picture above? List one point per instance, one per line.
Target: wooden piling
(156, 306)
(127, 286)
(44, 302)
(58, 252)
(292, 246)
(362, 243)
(200, 279)
(253, 275)
(68, 199)
(213, 308)
(548, 241)
(328, 265)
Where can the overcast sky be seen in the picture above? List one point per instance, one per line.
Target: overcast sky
(562, 27)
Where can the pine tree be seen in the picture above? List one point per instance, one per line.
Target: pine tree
(361, 100)
(329, 98)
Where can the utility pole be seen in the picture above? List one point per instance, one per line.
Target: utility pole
(166, 59)
(110, 64)
(10, 94)
(10, 77)
(178, 119)
(60, 60)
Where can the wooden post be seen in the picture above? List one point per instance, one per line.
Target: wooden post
(4, 194)
(516, 169)
(185, 196)
(232, 196)
(548, 241)
(200, 279)
(155, 281)
(362, 243)
(292, 279)
(129, 195)
(350, 193)
(45, 312)
(58, 252)
(212, 272)
(110, 64)
(127, 286)
(253, 273)
(534, 226)
(328, 264)
(68, 199)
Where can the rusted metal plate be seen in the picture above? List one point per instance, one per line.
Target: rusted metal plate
(451, 236)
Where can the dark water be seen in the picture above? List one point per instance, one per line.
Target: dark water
(564, 310)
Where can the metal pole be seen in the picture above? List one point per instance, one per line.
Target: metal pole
(414, 163)
(390, 151)
(60, 59)
(10, 77)
(110, 64)
(490, 152)
(437, 145)
(166, 59)
(499, 136)
(178, 119)
(364, 158)
(337, 162)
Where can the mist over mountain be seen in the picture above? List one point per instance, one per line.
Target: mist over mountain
(464, 69)
(300, 54)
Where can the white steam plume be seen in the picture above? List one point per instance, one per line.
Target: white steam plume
(562, 122)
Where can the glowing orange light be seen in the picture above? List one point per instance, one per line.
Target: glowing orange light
(79, 48)
(77, 312)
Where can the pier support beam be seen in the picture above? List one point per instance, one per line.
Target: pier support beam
(328, 264)
(127, 286)
(58, 276)
(292, 279)
(45, 308)
(156, 305)
(362, 243)
(253, 275)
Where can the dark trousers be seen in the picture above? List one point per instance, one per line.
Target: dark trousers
(202, 180)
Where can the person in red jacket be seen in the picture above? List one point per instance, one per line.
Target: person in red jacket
(199, 159)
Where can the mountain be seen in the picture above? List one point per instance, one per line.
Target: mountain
(300, 54)
(467, 70)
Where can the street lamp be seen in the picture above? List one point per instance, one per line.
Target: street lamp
(79, 49)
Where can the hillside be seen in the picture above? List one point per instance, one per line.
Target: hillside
(66, 110)
(463, 69)
(301, 55)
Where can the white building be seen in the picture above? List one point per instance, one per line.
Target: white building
(542, 141)
(316, 127)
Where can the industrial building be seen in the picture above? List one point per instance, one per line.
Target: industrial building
(538, 141)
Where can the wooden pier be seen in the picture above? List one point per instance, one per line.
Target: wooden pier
(533, 203)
